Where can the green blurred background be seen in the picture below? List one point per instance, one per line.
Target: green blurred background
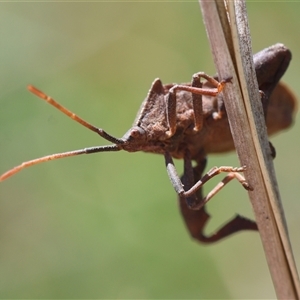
(107, 225)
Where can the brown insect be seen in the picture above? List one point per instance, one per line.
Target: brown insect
(189, 121)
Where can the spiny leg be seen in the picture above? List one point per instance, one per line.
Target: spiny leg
(219, 186)
(232, 174)
(183, 192)
(196, 220)
(197, 91)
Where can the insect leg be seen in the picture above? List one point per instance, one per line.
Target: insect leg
(196, 220)
(197, 103)
(197, 97)
(179, 187)
(197, 91)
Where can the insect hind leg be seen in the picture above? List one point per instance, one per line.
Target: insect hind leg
(196, 220)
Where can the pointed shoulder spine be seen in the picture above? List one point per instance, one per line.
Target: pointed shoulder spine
(157, 89)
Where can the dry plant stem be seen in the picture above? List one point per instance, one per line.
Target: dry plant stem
(249, 88)
(251, 141)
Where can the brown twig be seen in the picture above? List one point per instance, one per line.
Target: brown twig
(231, 47)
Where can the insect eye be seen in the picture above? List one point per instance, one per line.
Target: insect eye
(137, 132)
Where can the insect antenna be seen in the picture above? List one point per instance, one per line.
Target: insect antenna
(108, 148)
(68, 113)
(36, 161)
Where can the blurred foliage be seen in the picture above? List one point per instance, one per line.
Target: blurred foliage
(107, 225)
